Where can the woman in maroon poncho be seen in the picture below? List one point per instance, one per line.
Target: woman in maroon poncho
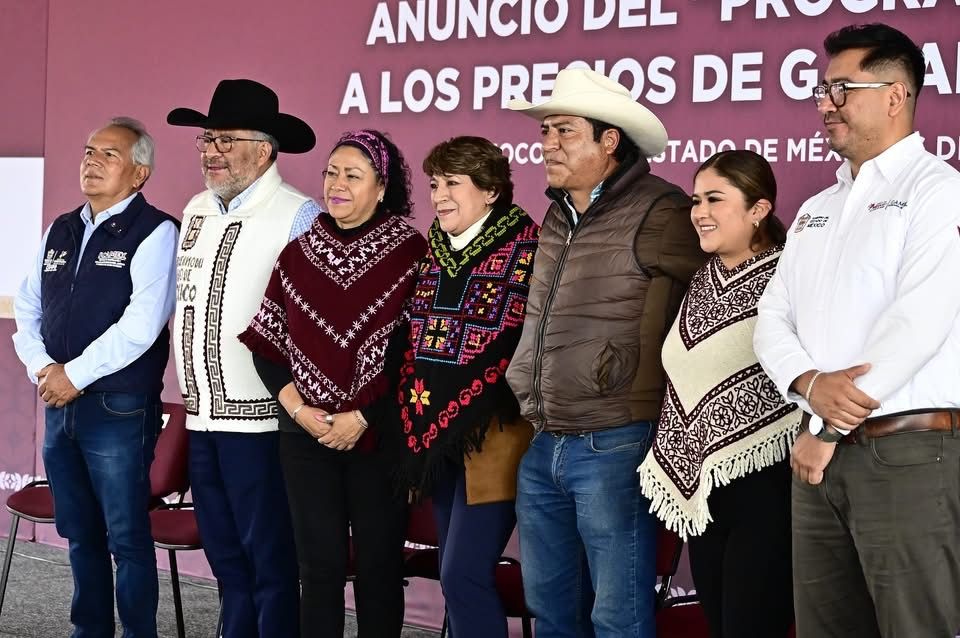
(338, 296)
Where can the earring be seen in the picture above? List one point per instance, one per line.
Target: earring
(756, 224)
(380, 199)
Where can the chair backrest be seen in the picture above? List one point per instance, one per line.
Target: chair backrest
(669, 549)
(421, 526)
(168, 474)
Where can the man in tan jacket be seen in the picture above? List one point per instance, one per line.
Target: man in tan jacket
(616, 253)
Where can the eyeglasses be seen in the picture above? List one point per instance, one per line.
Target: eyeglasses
(223, 143)
(838, 91)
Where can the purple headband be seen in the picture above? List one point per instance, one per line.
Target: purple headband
(373, 145)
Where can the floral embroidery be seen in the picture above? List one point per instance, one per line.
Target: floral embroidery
(419, 396)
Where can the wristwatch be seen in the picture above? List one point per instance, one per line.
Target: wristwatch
(828, 434)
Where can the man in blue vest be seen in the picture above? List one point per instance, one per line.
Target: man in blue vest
(92, 332)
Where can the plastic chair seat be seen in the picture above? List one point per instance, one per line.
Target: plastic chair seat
(510, 587)
(682, 621)
(32, 503)
(175, 529)
(421, 563)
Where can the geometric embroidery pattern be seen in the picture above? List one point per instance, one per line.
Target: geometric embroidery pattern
(718, 298)
(319, 389)
(222, 406)
(466, 313)
(741, 405)
(454, 326)
(342, 339)
(454, 262)
(345, 263)
(191, 400)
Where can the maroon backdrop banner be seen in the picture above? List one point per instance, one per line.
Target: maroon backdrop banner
(720, 74)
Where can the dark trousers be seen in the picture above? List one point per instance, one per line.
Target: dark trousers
(741, 563)
(244, 523)
(97, 453)
(472, 539)
(334, 495)
(876, 546)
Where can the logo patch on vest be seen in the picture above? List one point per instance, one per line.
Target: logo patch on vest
(193, 231)
(54, 260)
(111, 259)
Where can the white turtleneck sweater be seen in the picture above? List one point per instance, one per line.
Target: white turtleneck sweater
(459, 242)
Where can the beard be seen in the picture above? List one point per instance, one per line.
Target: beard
(235, 181)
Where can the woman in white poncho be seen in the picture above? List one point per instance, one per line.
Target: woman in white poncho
(718, 472)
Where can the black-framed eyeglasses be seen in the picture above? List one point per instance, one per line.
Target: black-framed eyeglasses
(838, 90)
(223, 143)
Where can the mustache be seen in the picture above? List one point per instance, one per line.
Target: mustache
(215, 164)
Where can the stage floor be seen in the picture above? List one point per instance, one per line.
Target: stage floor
(37, 604)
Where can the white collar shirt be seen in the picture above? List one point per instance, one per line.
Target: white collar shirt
(574, 215)
(869, 275)
(237, 201)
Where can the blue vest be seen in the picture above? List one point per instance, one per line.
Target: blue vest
(78, 308)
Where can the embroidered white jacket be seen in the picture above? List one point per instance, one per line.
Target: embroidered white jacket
(223, 265)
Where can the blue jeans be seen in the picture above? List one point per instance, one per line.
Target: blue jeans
(97, 453)
(587, 538)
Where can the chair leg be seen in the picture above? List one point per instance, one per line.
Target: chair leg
(177, 602)
(11, 541)
(527, 628)
(220, 612)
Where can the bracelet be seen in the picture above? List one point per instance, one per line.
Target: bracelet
(293, 415)
(810, 386)
(359, 417)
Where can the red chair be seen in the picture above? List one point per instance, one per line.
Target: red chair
(423, 560)
(678, 616)
(669, 551)
(174, 529)
(168, 476)
(510, 587)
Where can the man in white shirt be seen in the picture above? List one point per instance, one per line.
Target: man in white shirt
(861, 326)
(92, 332)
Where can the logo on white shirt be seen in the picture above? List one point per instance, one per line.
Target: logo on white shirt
(896, 204)
(806, 221)
(54, 260)
(111, 258)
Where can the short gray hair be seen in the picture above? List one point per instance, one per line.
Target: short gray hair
(142, 151)
(274, 144)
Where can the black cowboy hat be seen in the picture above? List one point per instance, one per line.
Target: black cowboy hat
(246, 104)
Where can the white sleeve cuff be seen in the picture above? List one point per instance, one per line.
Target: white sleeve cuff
(76, 375)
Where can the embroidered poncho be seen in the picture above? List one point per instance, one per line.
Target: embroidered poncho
(330, 308)
(466, 320)
(722, 417)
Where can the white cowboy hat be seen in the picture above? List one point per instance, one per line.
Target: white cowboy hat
(590, 94)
